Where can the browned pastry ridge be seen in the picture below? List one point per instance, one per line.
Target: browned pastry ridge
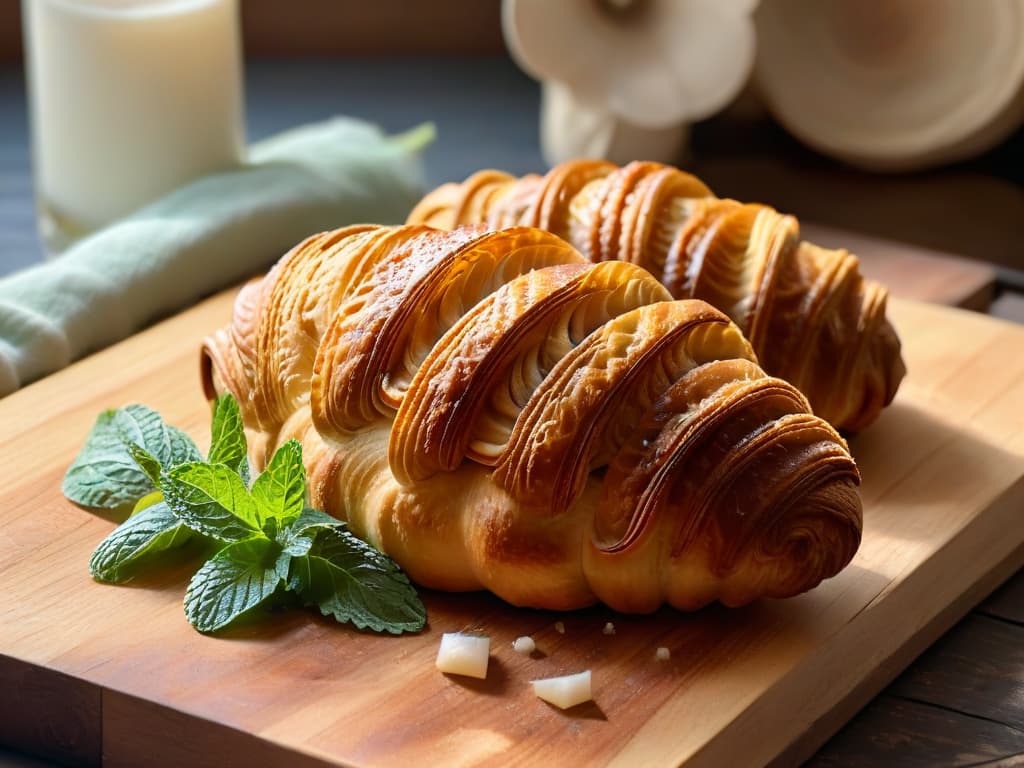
(810, 316)
(494, 411)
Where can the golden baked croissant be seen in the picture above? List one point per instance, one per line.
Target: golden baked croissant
(810, 316)
(495, 412)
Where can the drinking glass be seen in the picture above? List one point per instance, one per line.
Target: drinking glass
(128, 99)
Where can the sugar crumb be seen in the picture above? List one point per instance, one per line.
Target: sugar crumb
(524, 645)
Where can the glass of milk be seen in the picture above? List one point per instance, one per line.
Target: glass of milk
(128, 99)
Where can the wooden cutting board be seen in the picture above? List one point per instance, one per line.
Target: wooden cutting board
(93, 671)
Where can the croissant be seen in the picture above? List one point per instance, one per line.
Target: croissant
(810, 316)
(494, 411)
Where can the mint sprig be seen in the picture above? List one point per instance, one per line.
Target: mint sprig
(266, 537)
(105, 475)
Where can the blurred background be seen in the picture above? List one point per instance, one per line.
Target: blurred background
(399, 63)
(945, 229)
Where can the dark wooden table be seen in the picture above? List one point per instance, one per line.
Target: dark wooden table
(962, 702)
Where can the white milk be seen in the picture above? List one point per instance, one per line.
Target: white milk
(129, 99)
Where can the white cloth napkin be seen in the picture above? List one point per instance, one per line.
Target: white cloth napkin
(201, 238)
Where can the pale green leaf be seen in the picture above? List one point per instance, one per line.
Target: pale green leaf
(212, 499)
(147, 501)
(280, 491)
(147, 462)
(147, 532)
(227, 437)
(105, 475)
(145, 427)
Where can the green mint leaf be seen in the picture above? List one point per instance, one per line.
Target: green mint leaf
(144, 427)
(235, 580)
(280, 491)
(147, 501)
(105, 475)
(147, 462)
(314, 518)
(227, 437)
(297, 538)
(153, 529)
(180, 449)
(350, 580)
(298, 545)
(211, 499)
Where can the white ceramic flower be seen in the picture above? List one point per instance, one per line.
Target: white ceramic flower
(655, 63)
(569, 130)
(893, 84)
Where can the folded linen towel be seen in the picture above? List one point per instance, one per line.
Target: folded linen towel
(201, 238)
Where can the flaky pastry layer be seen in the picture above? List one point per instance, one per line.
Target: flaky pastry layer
(494, 411)
(810, 316)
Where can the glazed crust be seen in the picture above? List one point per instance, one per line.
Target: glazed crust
(810, 316)
(496, 412)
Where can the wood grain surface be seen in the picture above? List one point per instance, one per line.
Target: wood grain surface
(1007, 604)
(942, 489)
